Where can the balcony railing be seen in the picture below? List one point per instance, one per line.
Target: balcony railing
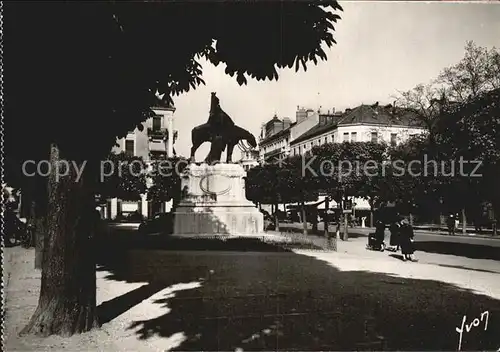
(161, 133)
(157, 134)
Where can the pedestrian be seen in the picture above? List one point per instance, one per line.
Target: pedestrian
(406, 240)
(376, 239)
(394, 228)
(451, 224)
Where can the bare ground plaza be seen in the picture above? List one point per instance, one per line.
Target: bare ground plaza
(253, 295)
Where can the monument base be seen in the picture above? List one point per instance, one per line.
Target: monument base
(214, 204)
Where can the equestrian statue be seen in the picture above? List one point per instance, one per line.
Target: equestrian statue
(222, 134)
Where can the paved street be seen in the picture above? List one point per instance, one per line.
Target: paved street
(425, 237)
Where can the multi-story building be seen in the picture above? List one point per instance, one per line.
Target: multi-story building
(365, 123)
(275, 139)
(249, 159)
(320, 131)
(155, 141)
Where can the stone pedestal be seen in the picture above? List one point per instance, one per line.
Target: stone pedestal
(214, 203)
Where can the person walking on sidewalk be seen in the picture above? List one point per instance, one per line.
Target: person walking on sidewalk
(394, 228)
(406, 240)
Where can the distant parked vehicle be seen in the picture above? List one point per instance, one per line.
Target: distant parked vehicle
(161, 222)
(130, 218)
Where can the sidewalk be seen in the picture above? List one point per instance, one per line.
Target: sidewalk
(480, 276)
(356, 247)
(22, 289)
(297, 227)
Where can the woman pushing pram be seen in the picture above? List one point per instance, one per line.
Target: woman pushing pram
(376, 239)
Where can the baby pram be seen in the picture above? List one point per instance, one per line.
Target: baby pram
(376, 239)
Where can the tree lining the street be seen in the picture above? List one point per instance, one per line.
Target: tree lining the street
(280, 183)
(95, 75)
(123, 177)
(448, 107)
(165, 176)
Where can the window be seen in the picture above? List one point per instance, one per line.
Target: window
(346, 136)
(156, 123)
(333, 138)
(354, 136)
(129, 147)
(394, 139)
(311, 144)
(374, 137)
(326, 140)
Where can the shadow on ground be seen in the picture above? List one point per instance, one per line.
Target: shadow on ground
(468, 250)
(274, 299)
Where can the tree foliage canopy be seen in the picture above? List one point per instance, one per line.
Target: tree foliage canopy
(93, 68)
(123, 177)
(165, 176)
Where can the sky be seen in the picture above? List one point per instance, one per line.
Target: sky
(382, 48)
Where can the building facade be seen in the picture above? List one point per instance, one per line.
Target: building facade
(249, 159)
(365, 123)
(154, 142)
(275, 139)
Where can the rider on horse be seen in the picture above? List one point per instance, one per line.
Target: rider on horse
(220, 131)
(218, 119)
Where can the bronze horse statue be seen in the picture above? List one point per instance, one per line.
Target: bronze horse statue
(221, 132)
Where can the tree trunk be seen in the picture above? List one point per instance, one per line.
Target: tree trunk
(371, 217)
(304, 218)
(411, 219)
(276, 218)
(346, 222)
(67, 302)
(331, 241)
(326, 224)
(464, 222)
(496, 215)
(314, 221)
(346, 228)
(40, 234)
(37, 216)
